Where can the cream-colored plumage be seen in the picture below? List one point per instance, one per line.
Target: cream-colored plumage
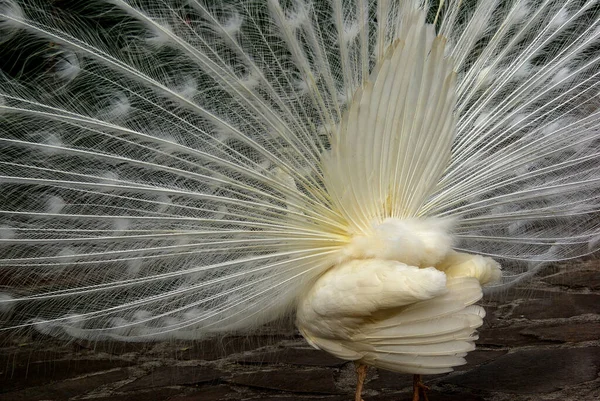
(409, 319)
(398, 297)
(385, 302)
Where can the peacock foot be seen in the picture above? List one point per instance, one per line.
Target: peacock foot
(361, 373)
(419, 389)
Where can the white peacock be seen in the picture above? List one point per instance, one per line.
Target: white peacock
(185, 169)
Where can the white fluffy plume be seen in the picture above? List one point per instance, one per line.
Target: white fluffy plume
(176, 169)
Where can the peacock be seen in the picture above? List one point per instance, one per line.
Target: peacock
(184, 169)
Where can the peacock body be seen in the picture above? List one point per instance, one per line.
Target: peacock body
(184, 169)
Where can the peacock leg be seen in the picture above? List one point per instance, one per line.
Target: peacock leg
(361, 373)
(419, 388)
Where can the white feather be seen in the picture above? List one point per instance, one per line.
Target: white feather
(393, 316)
(9, 24)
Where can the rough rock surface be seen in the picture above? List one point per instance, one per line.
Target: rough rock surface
(539, 342)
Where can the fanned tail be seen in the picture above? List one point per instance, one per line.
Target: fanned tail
(161, 177)
(524, 178)
(178, 169)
